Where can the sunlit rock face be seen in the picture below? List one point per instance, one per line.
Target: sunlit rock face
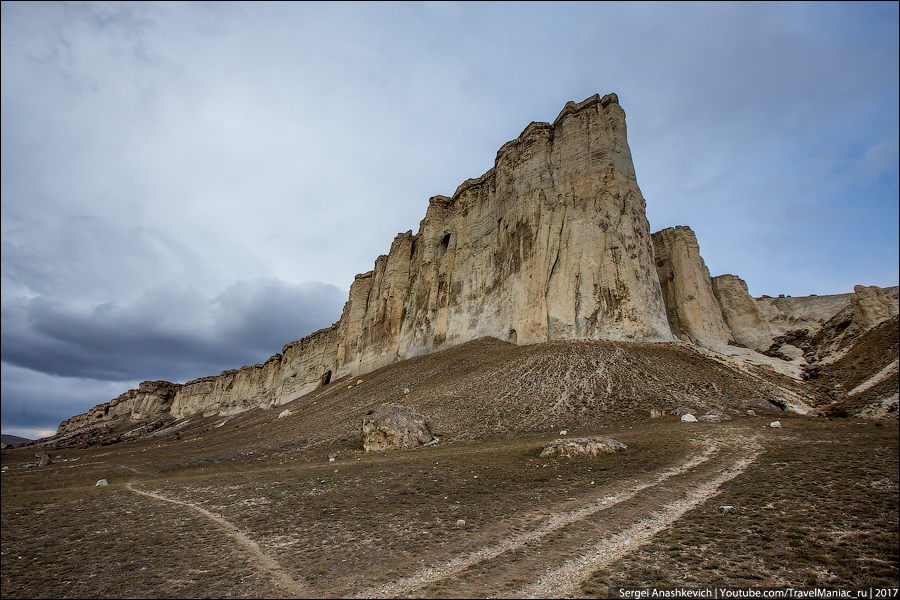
(693, 311)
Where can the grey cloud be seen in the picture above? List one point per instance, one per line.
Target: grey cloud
(166, 333)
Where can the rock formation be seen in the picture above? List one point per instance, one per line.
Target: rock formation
(150, 399)
(693, 311)
(592, 446)
(552, 243)
(741, 314)
(393, 427)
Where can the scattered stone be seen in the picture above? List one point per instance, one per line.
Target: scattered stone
(6, 468)
(714, 416)
(43, 459)
(332, 457)
(751, 412)
(461, 523)
(564, 432)
(405, 391)
(285, 413)
(101, 483)
(681, 411)
(688, 418)
(393, 427)
(655, 413)
(836, 395)
(582, 446)
(727, 510)
(775, 424)
(359, 382)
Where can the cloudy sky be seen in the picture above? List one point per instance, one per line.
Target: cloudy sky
(188, 187)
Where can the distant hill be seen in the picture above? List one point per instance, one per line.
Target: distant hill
(13, 440)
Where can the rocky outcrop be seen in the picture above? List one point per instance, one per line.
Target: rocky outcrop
(572, 447)
(551, 243)
(693, 312)
(150, 399)
(393, 427)
(741, 314)
(872, 305)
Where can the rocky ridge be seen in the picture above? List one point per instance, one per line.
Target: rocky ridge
(552, 243)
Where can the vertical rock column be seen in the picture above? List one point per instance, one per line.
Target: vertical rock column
(691, 305)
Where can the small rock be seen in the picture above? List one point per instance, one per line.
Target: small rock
(43, 459)
(284, 413)
(751, 412)
(332, 457)
(359, 382)
(727, 510)
(405, 390)
(101, 483)
(587, 446)
(688, 418)
(461, 523)
(656, 413)
(775, 424)
(681, 411)
(836, 394)
(564, 432)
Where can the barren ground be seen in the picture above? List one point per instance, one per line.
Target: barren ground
(253, 507)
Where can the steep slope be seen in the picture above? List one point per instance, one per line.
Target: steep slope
(488, 387)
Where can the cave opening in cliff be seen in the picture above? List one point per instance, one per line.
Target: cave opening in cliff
(326, 377)
(513, 337)
(445, 243)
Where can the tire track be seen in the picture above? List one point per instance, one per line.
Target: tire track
(555, 522)
(564, 581)
(263, 562)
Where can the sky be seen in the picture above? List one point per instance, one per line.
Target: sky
(186, 188)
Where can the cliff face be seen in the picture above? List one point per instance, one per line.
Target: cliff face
(150, 399)
(552, 243)
(741, 313)
(693, 311)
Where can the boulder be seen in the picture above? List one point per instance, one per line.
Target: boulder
(582, 446)
(101, 483)
(688, 418)
(714, 416)
(775, 424)
(655, 413)
(43, 459)
(681, 411)
(394, 427)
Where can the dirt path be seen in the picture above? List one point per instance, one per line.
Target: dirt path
(565, 580)
(630, 534)
(263, 562)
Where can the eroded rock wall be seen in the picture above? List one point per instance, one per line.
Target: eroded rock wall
(149, 399)
(551, 243)
(693, 311)
(741, 314)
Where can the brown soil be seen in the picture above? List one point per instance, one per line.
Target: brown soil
(254, 508)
